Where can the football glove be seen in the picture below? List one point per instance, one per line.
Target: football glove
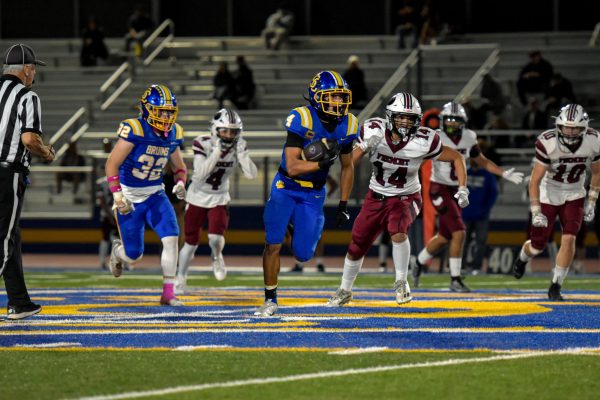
(512, 176)
(370, 143)
(342, 215)
(538, 219)
(122, 203)
(462, 195)
(179, 190)
(589, 211)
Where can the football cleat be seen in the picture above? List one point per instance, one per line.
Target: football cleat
(417, 270)
(383, 267)
(219, 269)
(340, 298)
(457, 285)
(115, 264)
(554, 292)
(518, 268)
(297, 268)
(321, 268)
(402, 292)
(268, 309)
(19, 312)
(180, 285)
(171, 301)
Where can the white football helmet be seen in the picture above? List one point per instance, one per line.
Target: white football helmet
(453, 112)
(226, 118)
(571, 116)
(403, 104)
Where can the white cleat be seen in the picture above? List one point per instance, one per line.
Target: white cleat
(402, 292)
(340, 298)
(115, 264)
(219, 269)
(173, 302)
(180, 285)
(268, 309)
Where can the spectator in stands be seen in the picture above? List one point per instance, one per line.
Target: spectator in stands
(535, 118)
(492, 92)
(477, 116)
(534, 78)
(410, 24)
(432, 27)
(92, 46)
(278, 28)
(139, 28)
(431, 118)
(244, 85)
(483, 192)
(560, 93)
(224, 84)
(355, 77)
(71, 159)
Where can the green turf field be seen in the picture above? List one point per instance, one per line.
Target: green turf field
(300, 373)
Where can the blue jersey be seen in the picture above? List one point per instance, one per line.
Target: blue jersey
(144, 166)
(304, 122)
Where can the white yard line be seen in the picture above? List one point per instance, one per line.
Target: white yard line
(320, 375)
(362, 350)
(50, 345)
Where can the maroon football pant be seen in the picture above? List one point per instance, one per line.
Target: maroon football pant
(195, 217)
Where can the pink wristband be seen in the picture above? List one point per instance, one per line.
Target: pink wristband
(116, 188)
(112, 178)
(180, 172)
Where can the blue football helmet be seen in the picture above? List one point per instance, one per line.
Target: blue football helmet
(323, 87)
(159, 108)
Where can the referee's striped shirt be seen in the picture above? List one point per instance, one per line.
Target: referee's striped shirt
(20, 111)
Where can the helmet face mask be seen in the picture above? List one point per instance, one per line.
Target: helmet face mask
(329, 94)
(453, 118)
(403, 113)
(227, 126)
(159, 108)
(571, 124)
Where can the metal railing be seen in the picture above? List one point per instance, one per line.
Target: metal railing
(168, 23)
(595, 34)
(116, 79)
(476, 79)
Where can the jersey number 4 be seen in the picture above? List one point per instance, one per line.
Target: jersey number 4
(398, 178)
(215, 178)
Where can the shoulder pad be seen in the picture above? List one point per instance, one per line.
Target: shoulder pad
(372, 126)
(592, 132)
(352, 125)
(130, 128)
(202, 145)
(299, 121)
(179, 133)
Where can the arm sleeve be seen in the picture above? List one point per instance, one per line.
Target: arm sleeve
(247, 165)
(204, 165)
(294, 140)
(347, 148)
(475, 151)
(31, 114)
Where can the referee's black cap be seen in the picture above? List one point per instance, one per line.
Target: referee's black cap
(19, 54)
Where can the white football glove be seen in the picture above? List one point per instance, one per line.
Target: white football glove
(462, 195)
(538, 219)
(589, 211)
(512, 176)
(179, 190)
(122, 203)
(370, 143)
(240, 146)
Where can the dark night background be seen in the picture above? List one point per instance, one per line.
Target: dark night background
(66, 18)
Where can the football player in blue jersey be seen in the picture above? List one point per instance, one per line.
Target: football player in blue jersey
(134, 172)
(298, 189)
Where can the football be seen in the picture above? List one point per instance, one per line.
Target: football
(317, 150)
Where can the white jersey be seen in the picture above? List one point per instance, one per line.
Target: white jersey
(210, 181)
(396, 166)
(443, 172)
(564, 180)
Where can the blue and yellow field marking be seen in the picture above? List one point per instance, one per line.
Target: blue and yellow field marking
(222, 319)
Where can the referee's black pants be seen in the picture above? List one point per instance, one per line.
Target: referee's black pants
(12, 191)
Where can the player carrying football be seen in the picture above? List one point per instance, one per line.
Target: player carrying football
(298, 189)
(134, 172)
(396, 146)
(451, 228)
(215, 158)
(557, 188)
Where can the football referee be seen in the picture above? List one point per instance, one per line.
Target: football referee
(20, 136)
